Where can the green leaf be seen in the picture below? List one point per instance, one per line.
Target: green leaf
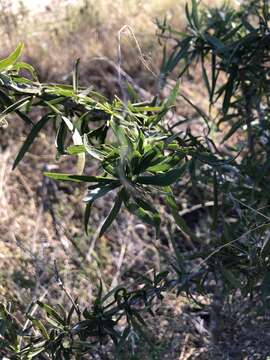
(6, 101)
(113, 213)
(34, 352)
(266, 247)
(145, 211)
(146, 160)
(15, 106)
(178, 218)
(60, 137)
(98, 192)
(87, 213)
(67, 121)
(92, 150)
(77, 140)
(57, 111)
(195, 14)
(215, 42)
(31, 137)
(199, 111)
(39, 325)
(24, 66)
(229, 91)
(173, 95)
(98, 299)
(233, 129)
(188, 15)
(80, 178)
(75, 149)
(51, 313)
(76, 76)
(71, 311)
(205, 76)
(7, 63)
(99, 134)
(164, 179)
(154, 215)
(176, 57)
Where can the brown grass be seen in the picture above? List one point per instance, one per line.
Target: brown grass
(59, 34)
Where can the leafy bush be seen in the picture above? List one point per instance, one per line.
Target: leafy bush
(231, 47)
(141, 158)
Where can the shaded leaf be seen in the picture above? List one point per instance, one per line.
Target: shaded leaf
(31, 137)
(113, 213)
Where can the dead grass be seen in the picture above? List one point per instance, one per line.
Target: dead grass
(60, 33)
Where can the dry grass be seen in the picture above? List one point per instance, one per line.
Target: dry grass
(60, 33)
(87, 30)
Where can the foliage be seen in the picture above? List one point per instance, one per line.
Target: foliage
(58, 333)
(140, 157)
(231, 48)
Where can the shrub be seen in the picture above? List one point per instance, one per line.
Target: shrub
(140, 156)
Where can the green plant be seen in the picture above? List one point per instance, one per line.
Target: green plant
(140, 157)
(231, 48)
(59, 333)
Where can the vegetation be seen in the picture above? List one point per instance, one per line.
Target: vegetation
(145, 159)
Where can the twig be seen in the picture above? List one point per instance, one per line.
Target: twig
(119, 264)
(62, 287)
(183, 352)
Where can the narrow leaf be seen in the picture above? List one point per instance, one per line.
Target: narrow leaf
(113, 213)
(79, 178)
(87, 214)
(30, 138)
(5, 64)
(164, 179)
